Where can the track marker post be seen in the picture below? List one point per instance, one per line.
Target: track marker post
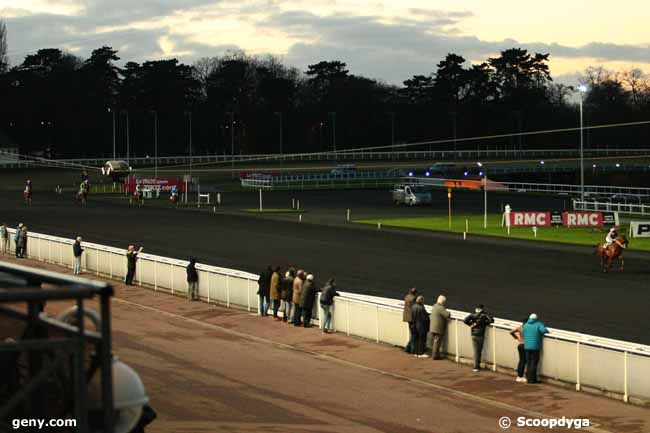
(297, 204)
(299, 218)
(449, 200)
(348, 216)
(378, 226)
(293, 203)
(260, 199)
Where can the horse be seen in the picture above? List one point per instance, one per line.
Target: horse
(137, 196)
(82, 196)
(27, 196)
(611, 253)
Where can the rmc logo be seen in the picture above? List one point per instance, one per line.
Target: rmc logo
(582, 219)
(530, 218)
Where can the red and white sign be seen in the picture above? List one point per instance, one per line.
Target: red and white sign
(530, 219)
(162, 183)
(582, 219)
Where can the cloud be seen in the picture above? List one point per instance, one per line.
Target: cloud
(391, 48)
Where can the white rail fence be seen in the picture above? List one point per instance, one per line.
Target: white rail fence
(622, 208)
(617, 368)
(8, 159)
(632, 192)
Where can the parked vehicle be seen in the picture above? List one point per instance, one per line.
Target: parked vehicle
(411, 195)
(344, 170)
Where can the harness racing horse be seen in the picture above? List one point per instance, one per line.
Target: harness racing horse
(611, 253)
(27, 196)
(82, 196)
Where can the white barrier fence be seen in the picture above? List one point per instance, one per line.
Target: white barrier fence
(611, 366)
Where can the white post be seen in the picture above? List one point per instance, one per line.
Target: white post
(625, 377)
(155, 275)
(228, 291)
(171, 275)
(494, 348)
(377, 321)
(348, 216)
(379, 226)
(298, 204)
(347, 314)
(219, 198)
(485, 187)
(578, 366)
(300, 218)
(467, 225)
(260, 199)
(248, 293)
(456, 341)
(110, 264)
(293, 203)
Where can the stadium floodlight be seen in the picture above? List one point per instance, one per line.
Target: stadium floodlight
(583, 88)
(541, 162)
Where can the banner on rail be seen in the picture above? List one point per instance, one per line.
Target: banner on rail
(640, 229)
(530, 219)
(582, 219)
(162, 183)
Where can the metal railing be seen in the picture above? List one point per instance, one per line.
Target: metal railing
(351, 155)
(553, 188)
(622, 208)
(569, 357)
(359, 179)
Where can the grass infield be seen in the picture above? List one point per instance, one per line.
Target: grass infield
(568, 235)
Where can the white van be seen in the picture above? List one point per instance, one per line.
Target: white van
(411, 195)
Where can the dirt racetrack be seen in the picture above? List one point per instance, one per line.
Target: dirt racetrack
(210, 369)
(561, 283)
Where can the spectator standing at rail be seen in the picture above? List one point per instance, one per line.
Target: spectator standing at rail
(438, 327)
(478, 321)
(297, 293)
(286, 294)
(534, 331)
(4, 238)
(274, 291)
(131, 259)
(77, 251)
(264, 285)
(16, 237)
(21, 244)
(192, 281)
(407, 316)
(518, 334)
(421, 327)
(326, 301)
(307, 298)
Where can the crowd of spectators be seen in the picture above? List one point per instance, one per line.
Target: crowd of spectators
(423, 328)
(294, 296)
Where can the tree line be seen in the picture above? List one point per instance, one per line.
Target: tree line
(60, 104)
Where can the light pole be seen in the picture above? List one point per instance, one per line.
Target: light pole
(113, 113)
(128, 139)
(189, 115)
(392, 131)
(483, 172)
(279, 114)
(155, 142)
(232, 144)
(582, 89)
(333, 114)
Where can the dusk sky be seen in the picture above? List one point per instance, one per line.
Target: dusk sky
(385, 40)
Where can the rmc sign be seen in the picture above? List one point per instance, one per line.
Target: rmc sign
(582, 219)
(530, 219)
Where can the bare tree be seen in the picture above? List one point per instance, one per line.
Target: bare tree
(4, 62)
(636, 81)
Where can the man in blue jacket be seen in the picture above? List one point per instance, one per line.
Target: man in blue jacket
(533, 331)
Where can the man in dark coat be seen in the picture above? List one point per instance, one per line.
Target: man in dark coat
(263, 291)
(192, 281)
(407, 316)
(326, 301)
(307, 298)
(421, 327)
(131, 258)
(76, 252)
(478, 322)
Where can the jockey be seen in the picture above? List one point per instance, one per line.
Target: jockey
(611, 236)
